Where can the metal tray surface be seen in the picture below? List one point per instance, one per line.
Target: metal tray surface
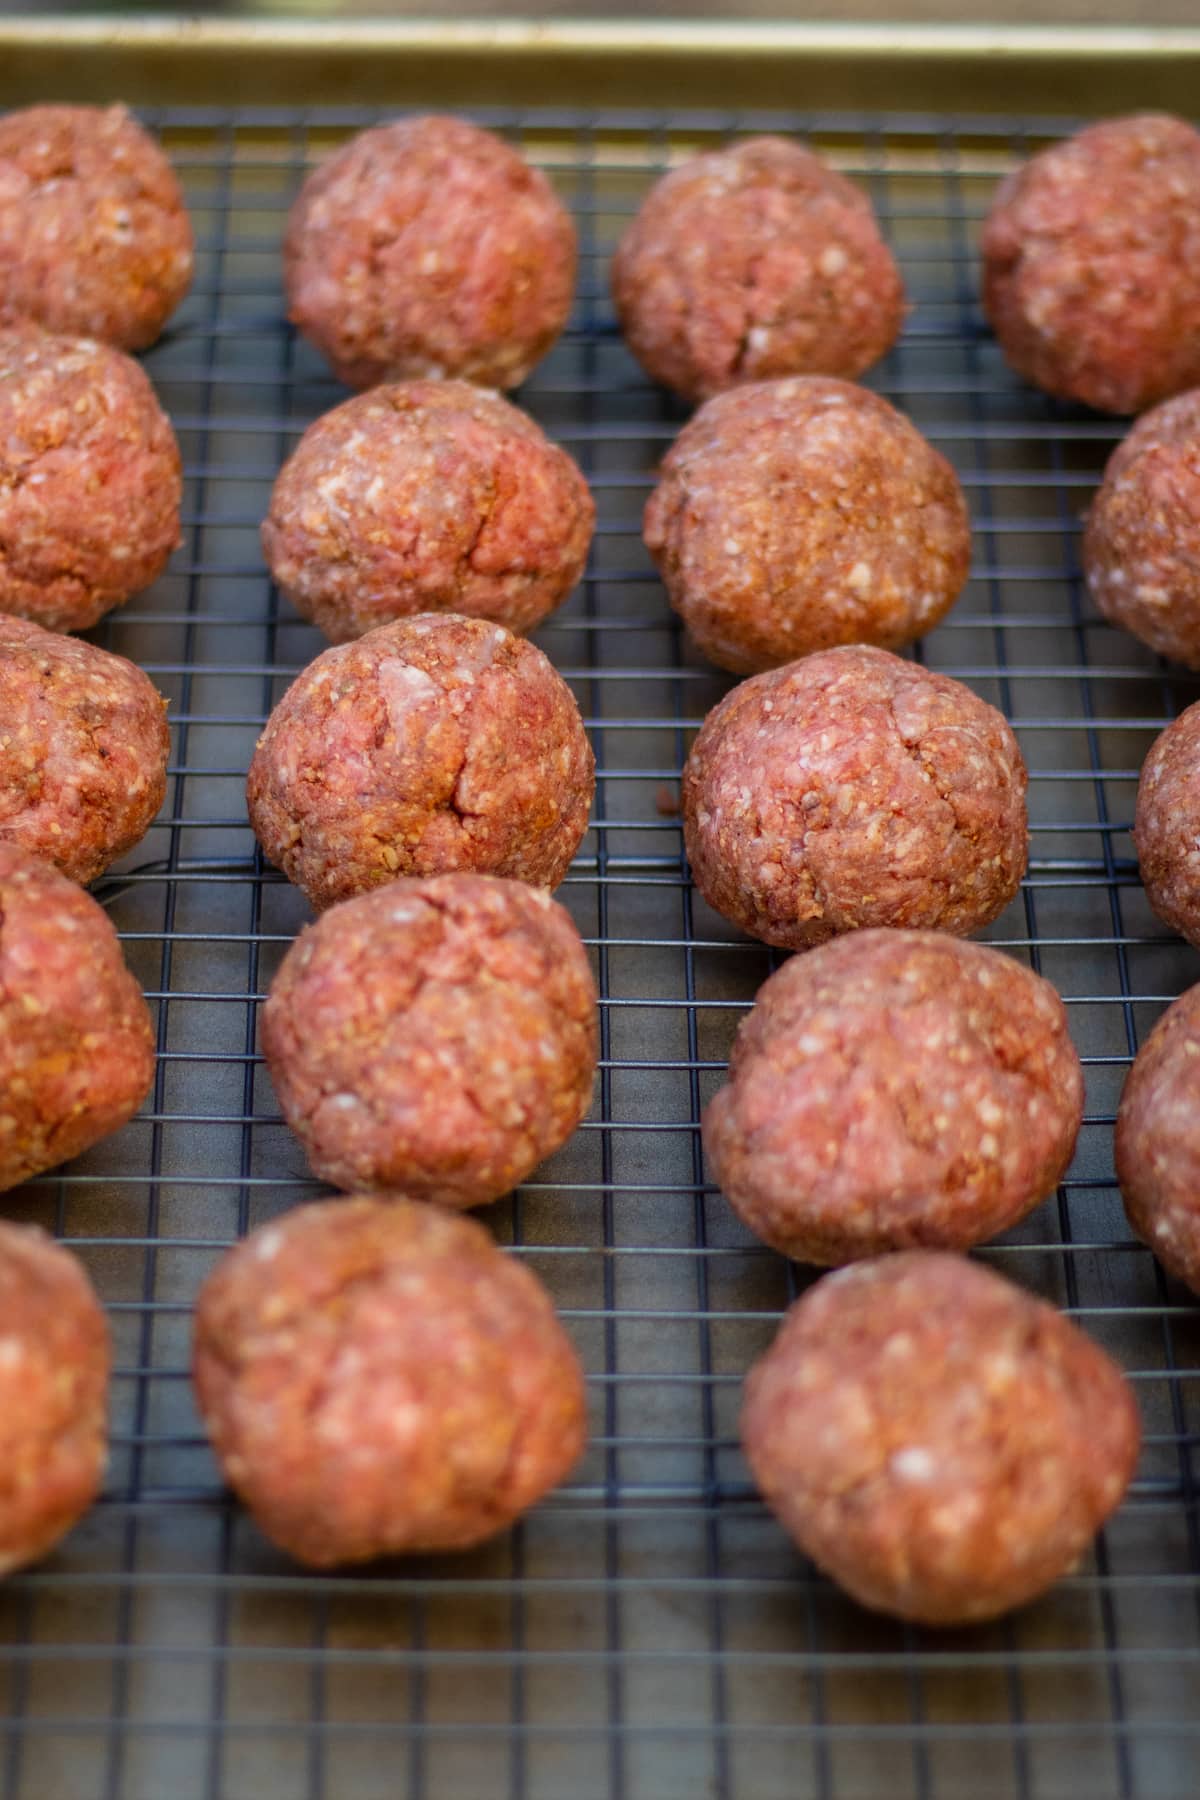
(648, 1633)
(174, 59)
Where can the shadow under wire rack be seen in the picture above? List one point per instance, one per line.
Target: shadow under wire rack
(648, 1633)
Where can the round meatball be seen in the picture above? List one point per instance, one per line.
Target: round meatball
(1157, 1140)
(429, 247)
(1141, 548)
(938, 1441)
(1091, 264)
(437, 1037)
(90, 479)
(792, 515)
(377, 1377)
(1166, 826)
(429, 496)
(434, 744)
(895, 1089)
(94, 236)
(83, 750)
(850, 789)
(76, 1043)
(754, 261)
(55, 1358)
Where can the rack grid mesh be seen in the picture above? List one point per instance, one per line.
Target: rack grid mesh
(648, 1633)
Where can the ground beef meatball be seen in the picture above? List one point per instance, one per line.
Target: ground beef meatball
(754, 261)
(1141, 548)
(792, 515)
(54, 1366)
(427, 496)
(938, 1441)
(1166, 827)
(1091, 264)
(1157, 1140)
(76, 1044)
(850, 789)
(83, 750)
(434, 744)
(94, 237)
(429, 247)
(90, 479)
(895, 1089)
(377, 1377)
(436, 1037)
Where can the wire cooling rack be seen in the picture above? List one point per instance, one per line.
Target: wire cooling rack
(648, 1634)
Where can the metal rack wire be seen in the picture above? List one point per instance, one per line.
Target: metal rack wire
(648, 1634)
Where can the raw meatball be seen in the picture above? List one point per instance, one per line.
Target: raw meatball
(1141, 548)
(895, 1089)
(431, 496)
(429, 247)
(1166, 827)
(754, 261)
(94, 237)
(437, 1037)
(83, 750)
(1157, 1140)
(377, 1377)
(849, 789)
(434, 744)
(90, 479)
(54, 1366)
(792, 515)
(1091, 264)
(76, 1044)
(938, 1441)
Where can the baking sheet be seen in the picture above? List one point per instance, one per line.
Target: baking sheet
(648, 1633)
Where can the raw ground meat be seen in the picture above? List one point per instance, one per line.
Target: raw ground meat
(755, 261)
(427, 496)
(1091, 257)
(434, 744)
(94, 235)
(1157, 1140)
(434, 1037)
(377, 1377)
(793, 515)
(83, 750)
(429, 247)
(55, 1358)
(894, 1089)
(90, 479)
(938, 1441)
(1166, 828)
(76, 1043)
(1141, 548)
(852, 789)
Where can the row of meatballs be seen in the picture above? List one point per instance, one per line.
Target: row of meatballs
(788, 517)
(430, 247)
